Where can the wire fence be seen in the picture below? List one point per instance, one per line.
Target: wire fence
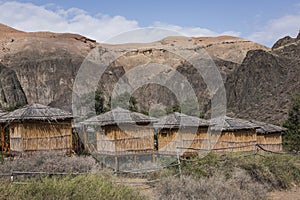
(178, 161)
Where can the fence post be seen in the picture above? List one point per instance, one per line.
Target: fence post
(12, 176)
(116, 163)
(179, 164)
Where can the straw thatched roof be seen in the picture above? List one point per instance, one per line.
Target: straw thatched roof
(119, 116)
(36, 112)
(232, 124)
(2, 112)
(177, 120)
(265, 128)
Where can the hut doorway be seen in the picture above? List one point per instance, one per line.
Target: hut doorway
(155, 142)
(5, 140)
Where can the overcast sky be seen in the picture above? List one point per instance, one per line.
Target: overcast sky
(263, 21)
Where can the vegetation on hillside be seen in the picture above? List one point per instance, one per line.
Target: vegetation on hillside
(216, 176)
(92, 186)
(124, 100)
(291, 139)
(232, 176)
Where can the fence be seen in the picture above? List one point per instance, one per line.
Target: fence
(177, 163)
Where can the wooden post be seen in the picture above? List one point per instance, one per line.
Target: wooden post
(116, 163)
(2, 142)
(179, 164)
(2, 138)
(71, 142)
(84, 138)
(153, 156)
(116, 156)
(10, 146)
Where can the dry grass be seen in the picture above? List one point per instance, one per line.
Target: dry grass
(80, 187)
(242, 187)
(231, 176)
(50, 163)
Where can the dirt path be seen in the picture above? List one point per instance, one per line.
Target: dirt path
(293, 194)
(141, 185)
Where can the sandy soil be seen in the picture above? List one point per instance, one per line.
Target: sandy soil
(140, 184)
(293, 194)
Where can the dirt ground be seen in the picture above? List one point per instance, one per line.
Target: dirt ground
(140, 184)
(293, 194)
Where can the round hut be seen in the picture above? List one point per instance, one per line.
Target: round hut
(269, 136)
(38, 128)
(180, 133)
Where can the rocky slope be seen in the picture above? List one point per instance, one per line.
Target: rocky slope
(262, 87)
(259, 80)
(11, 92)
(45, 63)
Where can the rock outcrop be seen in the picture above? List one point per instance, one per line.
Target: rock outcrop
(263, 86)
(11, 93)
(41, 67)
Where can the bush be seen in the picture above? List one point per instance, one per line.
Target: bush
(291, 139)
(69, 187)
(278, 171)
(272, 170)
(49, 163)
(210, 188)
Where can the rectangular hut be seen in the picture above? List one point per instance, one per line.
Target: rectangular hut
(119, 132)
(235, 135)
(4, 137)
(38, 128)
(178, 133)
(269, 136)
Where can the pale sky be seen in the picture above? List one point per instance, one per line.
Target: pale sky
(262, 21)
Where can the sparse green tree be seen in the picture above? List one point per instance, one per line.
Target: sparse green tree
(157, 112)
(99, 102)
(291, 139)
(189, 107)
(125, 101)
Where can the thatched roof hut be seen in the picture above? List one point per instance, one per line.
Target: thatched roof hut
(265, 128)
(269, 136)
(236, 135)
(120, 116)
(120, 132)
(38, 127)
(177, 132)
(4, 140)
(177, 120)
(235, 124)
(36, 112)
(2, 112)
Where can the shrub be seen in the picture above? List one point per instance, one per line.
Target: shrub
(210, 188)
(80, 187)
(291, 139)
(278, 171)
(275, 171)
(49, 163)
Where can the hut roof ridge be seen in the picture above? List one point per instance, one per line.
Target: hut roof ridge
(120, 115)
(231, 123)
(266, 128)
(36, 112)
(176, 120)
